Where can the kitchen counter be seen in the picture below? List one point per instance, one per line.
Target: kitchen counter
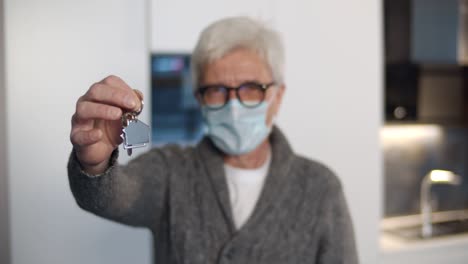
(450, 249)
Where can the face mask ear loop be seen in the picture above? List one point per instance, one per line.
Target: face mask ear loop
(269, 103)
(272, 99)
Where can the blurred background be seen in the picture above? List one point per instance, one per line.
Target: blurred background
(377, 90)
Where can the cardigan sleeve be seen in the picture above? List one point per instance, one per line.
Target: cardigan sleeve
(135, 194)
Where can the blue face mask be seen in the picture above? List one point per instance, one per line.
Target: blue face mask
(236, 129)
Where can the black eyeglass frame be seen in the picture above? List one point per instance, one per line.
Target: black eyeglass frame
(263, 87)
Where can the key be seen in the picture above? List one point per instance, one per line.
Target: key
(135, 133)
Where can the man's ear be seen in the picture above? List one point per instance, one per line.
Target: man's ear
(279, 97)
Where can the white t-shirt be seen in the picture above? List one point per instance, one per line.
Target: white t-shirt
(245, 186)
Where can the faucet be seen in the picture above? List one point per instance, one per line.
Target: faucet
(433, 177)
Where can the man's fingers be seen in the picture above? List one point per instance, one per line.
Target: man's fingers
(92, 110)
(114, 91)
(104, 101)
(115, 81)
(139, 94)
(85, 138)
(112, 95)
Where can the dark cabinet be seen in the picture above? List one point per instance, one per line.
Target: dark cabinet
(426, 31)
(426, 93)
(441, 94)
(424, 81)
(401, 93)
(439, 30)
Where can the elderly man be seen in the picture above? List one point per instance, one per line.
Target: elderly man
(241, 195)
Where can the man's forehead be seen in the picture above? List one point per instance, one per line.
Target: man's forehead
(236, 68)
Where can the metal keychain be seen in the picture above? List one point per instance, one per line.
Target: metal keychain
(135, 133)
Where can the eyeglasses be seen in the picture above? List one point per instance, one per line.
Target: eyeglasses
(250, 94)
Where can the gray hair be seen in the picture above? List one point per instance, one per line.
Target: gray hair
(225, 35)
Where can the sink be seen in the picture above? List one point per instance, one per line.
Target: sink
(446, 228)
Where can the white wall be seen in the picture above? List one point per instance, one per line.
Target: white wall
(176, 24)
(55, 50)
(333, 104)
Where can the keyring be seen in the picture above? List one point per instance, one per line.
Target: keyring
(127, 117)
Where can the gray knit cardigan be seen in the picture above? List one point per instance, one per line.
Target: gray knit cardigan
(181, 195)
